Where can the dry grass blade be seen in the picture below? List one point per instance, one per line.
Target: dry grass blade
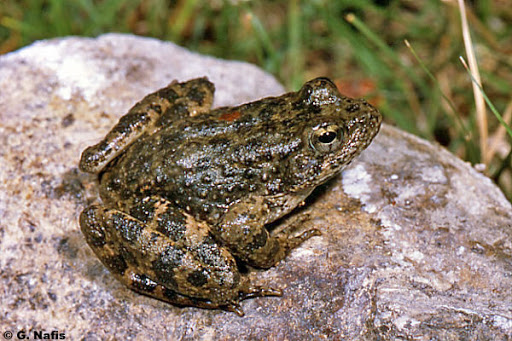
(481, 116)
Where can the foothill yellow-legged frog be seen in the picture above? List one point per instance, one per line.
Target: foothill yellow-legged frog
(186, 190)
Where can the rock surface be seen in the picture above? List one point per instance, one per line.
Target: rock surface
(416, 244)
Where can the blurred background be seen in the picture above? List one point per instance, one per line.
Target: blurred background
(423, 89)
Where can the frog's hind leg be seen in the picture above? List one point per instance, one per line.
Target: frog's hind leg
(158, 109)
(175, 263)
(121, 261)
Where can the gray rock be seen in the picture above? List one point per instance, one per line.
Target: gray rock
(416, 244)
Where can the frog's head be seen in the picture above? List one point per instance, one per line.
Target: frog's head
(335, 129)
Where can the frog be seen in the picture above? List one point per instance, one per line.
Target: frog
(188, 192)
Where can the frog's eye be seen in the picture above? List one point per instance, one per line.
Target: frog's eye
(326, 139)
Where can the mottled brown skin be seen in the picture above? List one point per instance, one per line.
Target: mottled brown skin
(186, 189)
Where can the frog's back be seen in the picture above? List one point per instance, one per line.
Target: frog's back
(208, 161)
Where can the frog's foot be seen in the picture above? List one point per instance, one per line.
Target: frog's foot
(266, 254)
(169, 296)
(289, 243)
(248, 239)
(250, 292)
(146, 286)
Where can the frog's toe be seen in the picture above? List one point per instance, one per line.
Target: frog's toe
(293, 242)
(250, 292)
(235, 308)
(259, 291)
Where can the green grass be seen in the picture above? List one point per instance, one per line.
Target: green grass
(425, 91)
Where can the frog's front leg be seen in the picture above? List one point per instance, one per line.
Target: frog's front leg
(169, 256)
(156, 110)
(243, 231)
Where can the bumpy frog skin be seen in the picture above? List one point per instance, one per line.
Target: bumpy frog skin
(186, 190)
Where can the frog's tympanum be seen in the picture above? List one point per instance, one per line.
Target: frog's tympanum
(186, 190)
